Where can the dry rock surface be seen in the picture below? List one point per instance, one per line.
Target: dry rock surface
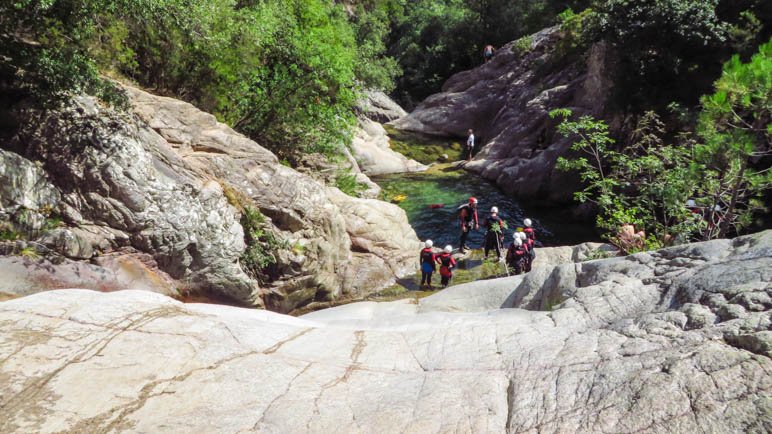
(507, 102)
(371, 146)
(168, 180)
(676, 340)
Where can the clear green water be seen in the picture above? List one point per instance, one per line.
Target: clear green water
(445, 184)
(451, 187)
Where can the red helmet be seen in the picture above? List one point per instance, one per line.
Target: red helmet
(472, 200)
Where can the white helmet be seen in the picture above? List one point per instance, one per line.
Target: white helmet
(691, 203)
(494, 210)
(527, 223)
(717, 208)
(522, 235)
(428, 244)
(448, 248)
(518, 241)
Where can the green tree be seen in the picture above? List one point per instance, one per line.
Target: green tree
(645, 185)
(735, 128)
(666, 48)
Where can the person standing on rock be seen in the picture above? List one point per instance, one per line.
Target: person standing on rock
(427, 259)
(467, 217)
(494, 233)
(517, 255)
(447, 264)
(488, 52)
(470, 145)
(530, 235)
(524, 239)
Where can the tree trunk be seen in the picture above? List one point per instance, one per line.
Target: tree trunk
(735, 192)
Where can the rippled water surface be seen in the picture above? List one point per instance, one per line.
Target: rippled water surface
(451, 187)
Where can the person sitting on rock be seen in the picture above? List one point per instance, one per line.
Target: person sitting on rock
(470, 145)
(427, 259)
(530, 235)
(467, 217)
(517, 255)
(494, 234)
(447, 264)
(488, 52)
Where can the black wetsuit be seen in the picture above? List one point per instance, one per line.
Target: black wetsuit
(492, 237)
(468, 219)
(531, 242)
(447, 263)
(517, 257)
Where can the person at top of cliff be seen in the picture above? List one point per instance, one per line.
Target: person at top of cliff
(517, 255)
(470, 145)
(488, 52)
(447, 264)
(427, 259)
(467, 217)
(494, 233)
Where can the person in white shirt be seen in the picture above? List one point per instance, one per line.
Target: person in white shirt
(470, 145)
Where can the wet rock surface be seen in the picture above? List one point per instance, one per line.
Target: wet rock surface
(507, 101)
(630, 344)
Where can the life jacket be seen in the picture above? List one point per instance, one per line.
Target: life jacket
(530, 236)
(446, 264)
(516, 253)
(471, 213)
(427, 256)
(427, 260)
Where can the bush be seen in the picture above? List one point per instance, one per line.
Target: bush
(262, 245)
(347, 183)
(645, 185)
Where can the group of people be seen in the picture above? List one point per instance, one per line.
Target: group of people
(519, 256)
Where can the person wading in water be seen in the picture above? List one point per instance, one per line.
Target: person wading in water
(467, 217)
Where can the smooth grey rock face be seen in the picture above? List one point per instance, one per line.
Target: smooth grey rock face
(615, 354)
(370, 144)
(373, 154)
(154, 181)
(507, 101)
(338, 259)
(377, 106)
(116, 173)
(24, 276)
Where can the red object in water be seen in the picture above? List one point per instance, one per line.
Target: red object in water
(437, 205)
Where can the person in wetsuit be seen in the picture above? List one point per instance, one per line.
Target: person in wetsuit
(517, 255)
(467, 218)
(427, 259)
(447, 264)
(530, 235)
(494, 233)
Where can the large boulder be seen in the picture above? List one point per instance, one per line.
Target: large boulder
(370, 145)
(168, 180)
(333, 262)
(373, 154)
(507, 101)
(619, 352)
